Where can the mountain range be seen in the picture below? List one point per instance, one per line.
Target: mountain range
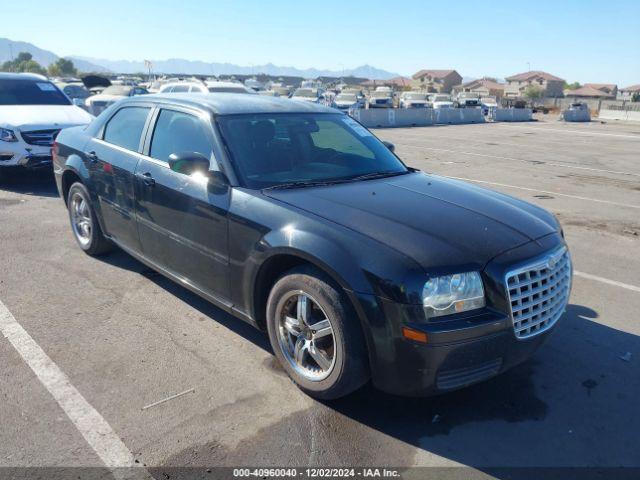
(10, 49)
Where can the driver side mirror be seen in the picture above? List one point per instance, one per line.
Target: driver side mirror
(188, 162)
(389, 145)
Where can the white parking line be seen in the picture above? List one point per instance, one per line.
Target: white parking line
(541, 162)
(579, 132)
(577, 197)
(93, 427)
(615, 283)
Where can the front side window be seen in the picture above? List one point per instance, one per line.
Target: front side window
(30, 92)
(275, 149)
(126, 126)
(178, 132)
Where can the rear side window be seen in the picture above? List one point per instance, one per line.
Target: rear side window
(178, 132)
(126, 126)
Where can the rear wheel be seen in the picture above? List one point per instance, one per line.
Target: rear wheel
(84, 224)
(316, 335)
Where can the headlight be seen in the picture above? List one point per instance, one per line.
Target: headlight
(7, 135)
(453, 294)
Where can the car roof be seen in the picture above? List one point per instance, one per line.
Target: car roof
(235, 103)
(22, 76)
(184, 82)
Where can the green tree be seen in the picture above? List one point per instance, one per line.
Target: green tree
(571, 86)
(24, 62)
(635, 97)
(31, 66)
(533, 92)
(62, 67)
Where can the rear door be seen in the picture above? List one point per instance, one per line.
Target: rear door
(182, 222)
(111, 159)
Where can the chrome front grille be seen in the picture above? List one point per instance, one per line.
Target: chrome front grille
(43, 138)
(539, 292)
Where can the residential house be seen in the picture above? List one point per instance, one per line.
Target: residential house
(485, 87)
(589, 92)
(399, 83)
(551, 85)
(436, 81)
(608, 88)
(628, 92)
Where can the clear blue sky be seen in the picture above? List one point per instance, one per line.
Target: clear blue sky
(583, 40)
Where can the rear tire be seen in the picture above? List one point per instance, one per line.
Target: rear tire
(317, 339)
(84, 223)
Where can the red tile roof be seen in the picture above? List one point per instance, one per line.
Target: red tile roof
(485, 82)
(434, 73)
(533, 74)
(400, 81)
(632, 88)
(587, 91)
(600, 86)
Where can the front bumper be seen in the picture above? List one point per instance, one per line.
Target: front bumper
(18, 154)
(461, 350)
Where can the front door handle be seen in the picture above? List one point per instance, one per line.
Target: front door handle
(92, 156)
(146, 178)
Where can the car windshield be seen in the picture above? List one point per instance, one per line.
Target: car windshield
(30, 92)
(416, 96)
(350, 97)
(287, 149)
(117, 90)
(381, 94)
(305, 92)
(76, 91)
(441, 98)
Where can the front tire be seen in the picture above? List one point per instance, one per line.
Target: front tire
(315, 335)
(84, 223)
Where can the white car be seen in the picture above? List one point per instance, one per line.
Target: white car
(440, 100)
(183, 87)
(413, 100)
(110, 95)
(308, 95)
(345, 101)
(32, 113)
(381, 98)
(227, 87)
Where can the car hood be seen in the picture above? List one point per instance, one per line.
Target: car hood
(41, 117)
(439, 222)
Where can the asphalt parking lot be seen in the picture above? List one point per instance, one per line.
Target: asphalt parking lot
(125, 337)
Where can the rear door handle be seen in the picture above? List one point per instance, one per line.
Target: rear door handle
(146, 178)
(92, 156)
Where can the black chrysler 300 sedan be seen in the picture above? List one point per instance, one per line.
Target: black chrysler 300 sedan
(295, 218)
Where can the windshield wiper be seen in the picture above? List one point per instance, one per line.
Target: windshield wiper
(372, 175)
(301, 184)
(322, 183)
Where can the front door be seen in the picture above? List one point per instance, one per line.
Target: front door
(182, 222)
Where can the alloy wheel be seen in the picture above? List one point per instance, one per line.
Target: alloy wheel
(81, 221)
(305, 335)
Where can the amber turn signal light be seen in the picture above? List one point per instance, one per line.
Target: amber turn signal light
(415, 335)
